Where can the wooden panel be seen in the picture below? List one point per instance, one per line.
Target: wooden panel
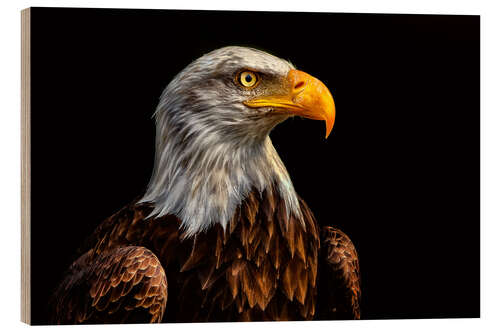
(25, 167)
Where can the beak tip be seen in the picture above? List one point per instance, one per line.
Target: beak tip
(329, 121)
(328, 131)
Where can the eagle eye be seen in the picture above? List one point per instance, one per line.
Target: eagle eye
(247, 79)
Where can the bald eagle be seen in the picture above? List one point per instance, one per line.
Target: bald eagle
(220, 231)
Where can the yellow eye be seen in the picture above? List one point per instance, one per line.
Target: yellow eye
(248, 79)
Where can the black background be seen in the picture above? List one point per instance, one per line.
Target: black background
(399, 173)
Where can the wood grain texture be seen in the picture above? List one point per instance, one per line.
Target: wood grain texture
(26, 166)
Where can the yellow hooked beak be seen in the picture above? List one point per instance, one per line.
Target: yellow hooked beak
(307, 97)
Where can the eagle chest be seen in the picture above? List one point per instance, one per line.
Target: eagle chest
(262, 267)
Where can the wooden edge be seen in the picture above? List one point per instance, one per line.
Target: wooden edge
(25, 166)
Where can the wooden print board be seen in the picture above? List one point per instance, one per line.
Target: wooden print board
(399, 173)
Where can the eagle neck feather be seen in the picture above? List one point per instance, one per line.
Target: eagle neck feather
(202, 180)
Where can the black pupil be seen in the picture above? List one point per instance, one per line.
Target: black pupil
(248, 78)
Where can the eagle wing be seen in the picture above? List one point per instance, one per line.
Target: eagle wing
(339, 277)
(125, 284)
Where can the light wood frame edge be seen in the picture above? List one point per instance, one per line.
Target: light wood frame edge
(25, 166)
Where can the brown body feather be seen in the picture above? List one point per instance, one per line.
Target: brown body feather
(340, 282)
(264, 266)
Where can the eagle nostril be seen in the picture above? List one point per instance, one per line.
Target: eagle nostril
(299, 85)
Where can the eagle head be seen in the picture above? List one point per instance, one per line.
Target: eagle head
(212, 134)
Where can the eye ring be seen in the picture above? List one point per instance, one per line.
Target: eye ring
(247, 79)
